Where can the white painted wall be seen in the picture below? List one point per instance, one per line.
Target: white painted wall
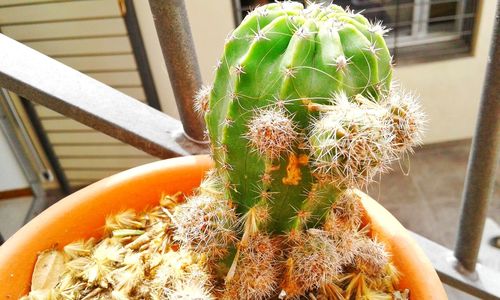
(11, 174)
(450, 90)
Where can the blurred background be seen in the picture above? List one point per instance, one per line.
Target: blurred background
(440, 49)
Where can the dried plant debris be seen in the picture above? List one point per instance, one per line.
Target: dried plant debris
(49, 265)
(136, 259)
(142, 257)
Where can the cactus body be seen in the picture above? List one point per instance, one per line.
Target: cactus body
(301, 111)
(278, 65)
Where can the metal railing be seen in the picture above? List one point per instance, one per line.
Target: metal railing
(26, 154)
(43, 80)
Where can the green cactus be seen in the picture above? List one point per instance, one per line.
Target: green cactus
(280, 66)
(302, 109)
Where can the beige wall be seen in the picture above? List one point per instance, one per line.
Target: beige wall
(450, 90)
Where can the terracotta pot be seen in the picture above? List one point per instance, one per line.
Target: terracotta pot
(82, 215)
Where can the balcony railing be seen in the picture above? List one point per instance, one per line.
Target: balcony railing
(41, 79)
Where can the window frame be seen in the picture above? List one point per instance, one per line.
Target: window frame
(419, 37)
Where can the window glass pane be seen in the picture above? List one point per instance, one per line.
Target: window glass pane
(443, 16)
(395, 14)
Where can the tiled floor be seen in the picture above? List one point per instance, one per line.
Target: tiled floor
(426, 201)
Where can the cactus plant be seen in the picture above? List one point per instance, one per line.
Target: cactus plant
(302, 110)
(302, 99)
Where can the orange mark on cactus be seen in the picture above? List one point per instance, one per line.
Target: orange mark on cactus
(303, 159)
(171, 201)
(289, 285)
(311, 106)
(293, 173)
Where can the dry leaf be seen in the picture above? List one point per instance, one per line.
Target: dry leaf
(49, 266)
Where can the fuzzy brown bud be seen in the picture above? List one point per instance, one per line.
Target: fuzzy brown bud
(271, 132)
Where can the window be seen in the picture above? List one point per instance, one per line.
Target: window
(421, 29)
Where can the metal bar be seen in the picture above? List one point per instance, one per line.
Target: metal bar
(47, 146)
(62, 20)
(459, 23)
(174, 33)
(39, 165)
(40, 203)
(418, 16)
(41, 79)
(395, 51)
(9, 123)
(483, 284)
(30, 3)
(141, 58)
(237, 12)
(482, 164)
(472, 24)
(425, 19)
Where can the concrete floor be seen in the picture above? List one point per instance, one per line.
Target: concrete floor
(426, 201)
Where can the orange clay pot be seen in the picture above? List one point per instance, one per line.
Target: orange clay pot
(82, 215)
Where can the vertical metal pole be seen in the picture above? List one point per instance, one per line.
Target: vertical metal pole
(47, 146)
(483, 161)
(237, 12)
(177, 45)
(459, 21)
(139, 50)
(17, 139)
(395, 50)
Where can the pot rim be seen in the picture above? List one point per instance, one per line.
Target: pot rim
(82, 214)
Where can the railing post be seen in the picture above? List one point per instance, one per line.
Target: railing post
(174, 33)
(482, 163)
